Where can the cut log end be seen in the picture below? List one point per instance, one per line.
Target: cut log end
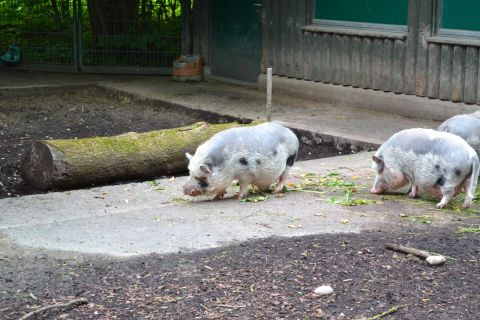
(37, 167)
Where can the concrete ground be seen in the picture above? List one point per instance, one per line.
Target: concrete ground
(141, 218)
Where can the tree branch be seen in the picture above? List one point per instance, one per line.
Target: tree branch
(55, 306)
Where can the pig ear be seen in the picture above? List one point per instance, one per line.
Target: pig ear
(189, 156)
(206, 168)
(379, 162)
(377, 159)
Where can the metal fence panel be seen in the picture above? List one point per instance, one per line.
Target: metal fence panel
(42, 31)
(128, 36)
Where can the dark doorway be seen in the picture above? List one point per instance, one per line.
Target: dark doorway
(236, 39)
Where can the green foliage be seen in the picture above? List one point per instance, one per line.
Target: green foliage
(45, 33)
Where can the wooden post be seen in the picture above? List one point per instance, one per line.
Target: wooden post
(269, 94)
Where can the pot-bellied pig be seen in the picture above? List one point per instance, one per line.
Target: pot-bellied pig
(258, 155)
(439, 162)
(466, 126)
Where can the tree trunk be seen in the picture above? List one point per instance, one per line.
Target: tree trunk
(61, 164)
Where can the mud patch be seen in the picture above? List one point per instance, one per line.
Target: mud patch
(267, 279)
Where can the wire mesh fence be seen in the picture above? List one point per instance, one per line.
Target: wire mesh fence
(93, 34)
(43, 32)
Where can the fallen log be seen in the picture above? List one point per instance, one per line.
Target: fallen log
(61, 164)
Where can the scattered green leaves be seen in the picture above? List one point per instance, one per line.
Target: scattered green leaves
(333, 181)
(156, 184)
(179, 200)
(153, 183)
(472, 229)
(426, 219)
(333, 173)
(348, 200)
(255, 197)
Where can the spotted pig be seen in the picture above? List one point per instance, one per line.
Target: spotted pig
(441, 163)
(260, 155)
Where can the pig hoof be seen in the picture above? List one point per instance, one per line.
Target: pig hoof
(277, 189)
(413, 196)
(466, 205)
(220, 195)
(241, 196)
(440, 205)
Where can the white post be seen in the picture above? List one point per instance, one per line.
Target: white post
(269, 94)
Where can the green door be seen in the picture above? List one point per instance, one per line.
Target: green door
(236, 39)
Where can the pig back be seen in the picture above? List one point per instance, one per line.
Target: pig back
(268, 139)
(466, 126)
(428, 157)
(427, 141)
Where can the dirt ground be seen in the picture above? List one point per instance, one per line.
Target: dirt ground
(265, 279)
(87, 113)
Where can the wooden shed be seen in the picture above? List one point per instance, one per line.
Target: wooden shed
(423, 48)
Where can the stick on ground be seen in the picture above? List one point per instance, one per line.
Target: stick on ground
(55, 306)
(384, 314)
(407, 250)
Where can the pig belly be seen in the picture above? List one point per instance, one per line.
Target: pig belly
(434, 191)
(265, 176)
(265, 182)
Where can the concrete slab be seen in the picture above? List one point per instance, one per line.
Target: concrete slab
(133, 219)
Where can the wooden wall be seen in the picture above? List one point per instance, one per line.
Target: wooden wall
(414, 63)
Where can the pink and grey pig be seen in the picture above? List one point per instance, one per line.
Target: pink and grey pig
(260, 155)
(439, 162)
(466, 126)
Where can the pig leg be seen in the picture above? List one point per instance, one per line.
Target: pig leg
(281, 182)
(220, 194)
(243, 188)
(467, 203)
(447, 194)
(470, 184)
(414, 192)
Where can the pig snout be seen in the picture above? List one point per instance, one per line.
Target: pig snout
(377, 190)
(380, 185)
(191, 191)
